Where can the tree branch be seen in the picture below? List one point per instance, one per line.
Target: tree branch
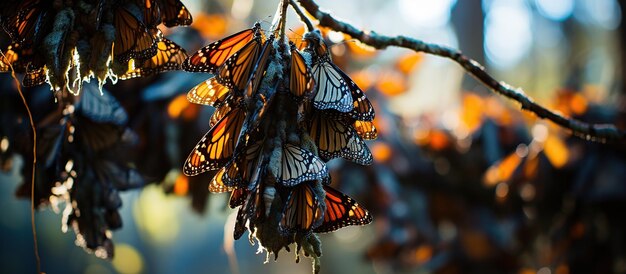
(303, 17)
(593, 132)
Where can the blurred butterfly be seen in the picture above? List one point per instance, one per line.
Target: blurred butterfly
(298, 165)
(24, 61)
(26, 22)
(334, 89)
(341, 211)
(302, 211)
(335, 137)
(174, 13)
(213, 56)
(132, 38)
(169, 56)
(217, 146)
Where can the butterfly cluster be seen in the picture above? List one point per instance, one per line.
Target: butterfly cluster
(67, 42)
(81, 167)
(281, 113)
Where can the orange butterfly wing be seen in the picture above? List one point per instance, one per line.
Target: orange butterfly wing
(341, 211)
(302, 211)
(211, 57)
(216, 147)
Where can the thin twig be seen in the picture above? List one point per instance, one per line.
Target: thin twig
(32, 178)
(303, 17)
(593, 132)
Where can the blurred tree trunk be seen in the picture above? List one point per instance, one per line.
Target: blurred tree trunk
(468, 20)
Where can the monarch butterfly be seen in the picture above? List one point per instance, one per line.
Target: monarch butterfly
(211, 57)
(169, 56)
(237, 70)
(217, 146)
(331, 90)
(334, 89)
(336, 138)
(365, 129)
(362, 108)
(300, 80)
(298, 165)
(302, 211)
(132, 39)
(26, 22)
(238, 197)
(256, 110)
(341, 211)
(246, 163)
(210, 92)
(259, 70)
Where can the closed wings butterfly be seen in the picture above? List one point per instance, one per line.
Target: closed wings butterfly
(300, 80)
(169, 56)
(210, 92)
(303, 209)
(132, 40)
(237, 70)
(341, 211)
(298, 165)
(335, 137)
(211, 57)
(216, 147)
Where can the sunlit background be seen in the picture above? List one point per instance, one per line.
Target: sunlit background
(460, 176)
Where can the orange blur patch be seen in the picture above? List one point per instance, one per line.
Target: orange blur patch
(578, 104)
(381, 152)
(423, 254)
(409, 62)
(472, 112)
(503, 170)
(177, 106)
(556, 151)
(210, 25)
(359, 49)
(562, 269)
(476, 245)
(531, 167)
(527, 271)
(181, 186)
(392, 83)
(495, 109)
(364, 79)
(438, 140)
(190, 112)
